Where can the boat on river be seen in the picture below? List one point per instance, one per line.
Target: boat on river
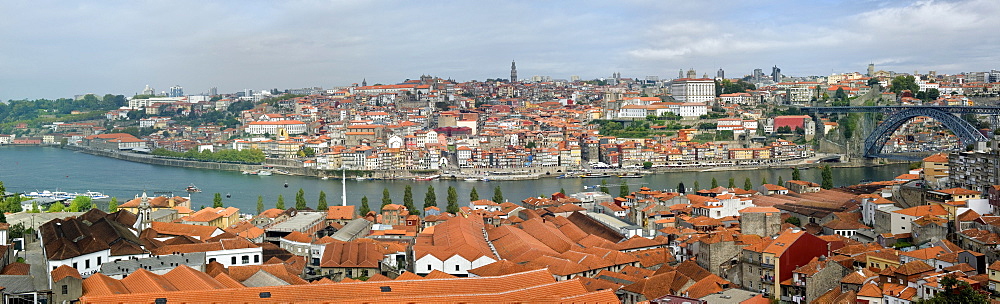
(595, 175)
(192, 189)
(426, 178)
(264, 173)
(631, 175)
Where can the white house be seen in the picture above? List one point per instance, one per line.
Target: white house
(454, 247)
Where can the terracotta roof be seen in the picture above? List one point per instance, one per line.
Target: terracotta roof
(199, 232)
(296, 236)
(17, 268)
(64, 271)
(498, 268)
(536, 286)
(340, 212)
(871, 291)
(351, 254)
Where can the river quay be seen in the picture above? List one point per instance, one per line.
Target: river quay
(34, 168)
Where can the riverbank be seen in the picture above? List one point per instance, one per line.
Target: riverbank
(291, 167)
(27, 169)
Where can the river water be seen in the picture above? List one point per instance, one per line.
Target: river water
(26, 169)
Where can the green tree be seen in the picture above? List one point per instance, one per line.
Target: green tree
(452, 200)
(794, 221)
(80, 204)
(408, 198)
(562, 190)
(697, 186)
(498, 195)
(364, 206)
(763, 180)
(827, 175)
(796, 175)
(905, 82)
(715, 183)
(680, 188)
(386, 199)
(34, 208)
(840, 94)
(473, 195)
(281, 202)
(300, 200)
(56, 207)
(732, 183)
(113, 205)
(956, 291)
(604, 186)
(747, 184)
(623, 191)
(780, 181)
(452, 197)
(647, 165)
(13, 203)
(430, 199)
(217, 200)
(322, 202)
(260, 204)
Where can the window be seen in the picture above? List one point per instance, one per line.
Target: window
(211, 260)
(86, 264)
(428, 267)
(98, 260)
(457, 268)
(65, 289)
(256, 259)
(233, 259)
(246, 259)
(75, 266)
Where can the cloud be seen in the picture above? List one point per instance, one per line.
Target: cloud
(57, 49)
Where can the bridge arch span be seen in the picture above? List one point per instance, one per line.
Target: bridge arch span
(965, 131)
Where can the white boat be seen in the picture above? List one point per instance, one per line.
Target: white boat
(264, 173)
(472, 179)
(95, 195)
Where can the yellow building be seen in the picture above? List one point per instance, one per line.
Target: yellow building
(218, 217)
(156, 203)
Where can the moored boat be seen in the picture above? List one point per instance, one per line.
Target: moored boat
(631, 175)
(192, 189)
(595, 175)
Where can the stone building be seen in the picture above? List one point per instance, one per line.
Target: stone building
(762, 221)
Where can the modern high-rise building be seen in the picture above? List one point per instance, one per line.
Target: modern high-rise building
(720, 74)
(213, 91)
(513, 71)
(775, 74)
(176, 91)
(148, 90)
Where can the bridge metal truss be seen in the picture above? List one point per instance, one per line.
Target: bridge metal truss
(896, 116)
(895, 109)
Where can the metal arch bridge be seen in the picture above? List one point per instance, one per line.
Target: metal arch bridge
(896, 116)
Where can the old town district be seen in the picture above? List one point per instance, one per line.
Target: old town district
(893, 241)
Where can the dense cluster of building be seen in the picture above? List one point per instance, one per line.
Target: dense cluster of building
(881, 242)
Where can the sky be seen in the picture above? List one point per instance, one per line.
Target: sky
(53, 49)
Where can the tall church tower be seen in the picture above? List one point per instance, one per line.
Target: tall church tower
(144, 213)
(513, 72)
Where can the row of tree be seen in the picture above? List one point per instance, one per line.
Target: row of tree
(229, 155)
(430, 199)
